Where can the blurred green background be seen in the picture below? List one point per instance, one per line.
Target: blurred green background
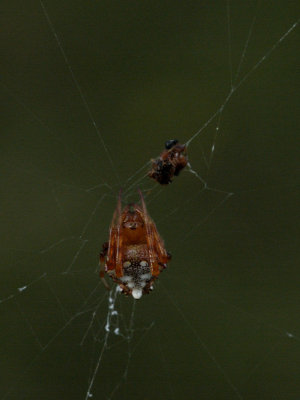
(223, 320)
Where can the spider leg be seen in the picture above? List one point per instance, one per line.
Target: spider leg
(110, 248)
(119, 240)
(111, 252)
(102, 257)
(154, 265)
(159, 247)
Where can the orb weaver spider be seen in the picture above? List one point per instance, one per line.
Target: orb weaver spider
(135, 254)
(169, 164)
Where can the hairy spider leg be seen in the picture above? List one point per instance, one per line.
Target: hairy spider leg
(112, 242)
(159, 248)
(102, 259)
(108, 254)
(119, 244)
(152, 258)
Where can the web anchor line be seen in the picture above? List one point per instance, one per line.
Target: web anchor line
(233, 88)
(75, 80)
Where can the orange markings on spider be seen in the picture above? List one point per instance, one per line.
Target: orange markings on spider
(135, 254)
(169, 164)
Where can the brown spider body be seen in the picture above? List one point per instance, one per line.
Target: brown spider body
(169, 164)
(135, 254)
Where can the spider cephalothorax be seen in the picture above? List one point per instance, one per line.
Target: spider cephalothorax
(169, 164)
(135, 254)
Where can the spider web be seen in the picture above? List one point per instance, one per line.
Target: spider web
(90, 94)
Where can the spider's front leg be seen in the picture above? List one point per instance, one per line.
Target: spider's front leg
(102, 260)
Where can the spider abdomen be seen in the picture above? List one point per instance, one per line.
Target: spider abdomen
(136, 269)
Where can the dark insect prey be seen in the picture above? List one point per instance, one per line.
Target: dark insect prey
(169, 164)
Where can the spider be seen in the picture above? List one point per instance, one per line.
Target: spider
(135, 254)
(169, 164)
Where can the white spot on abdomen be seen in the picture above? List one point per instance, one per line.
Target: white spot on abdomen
(145, 277)
(137, 293)
(143, 263)
(126, 264)
(126, 278)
